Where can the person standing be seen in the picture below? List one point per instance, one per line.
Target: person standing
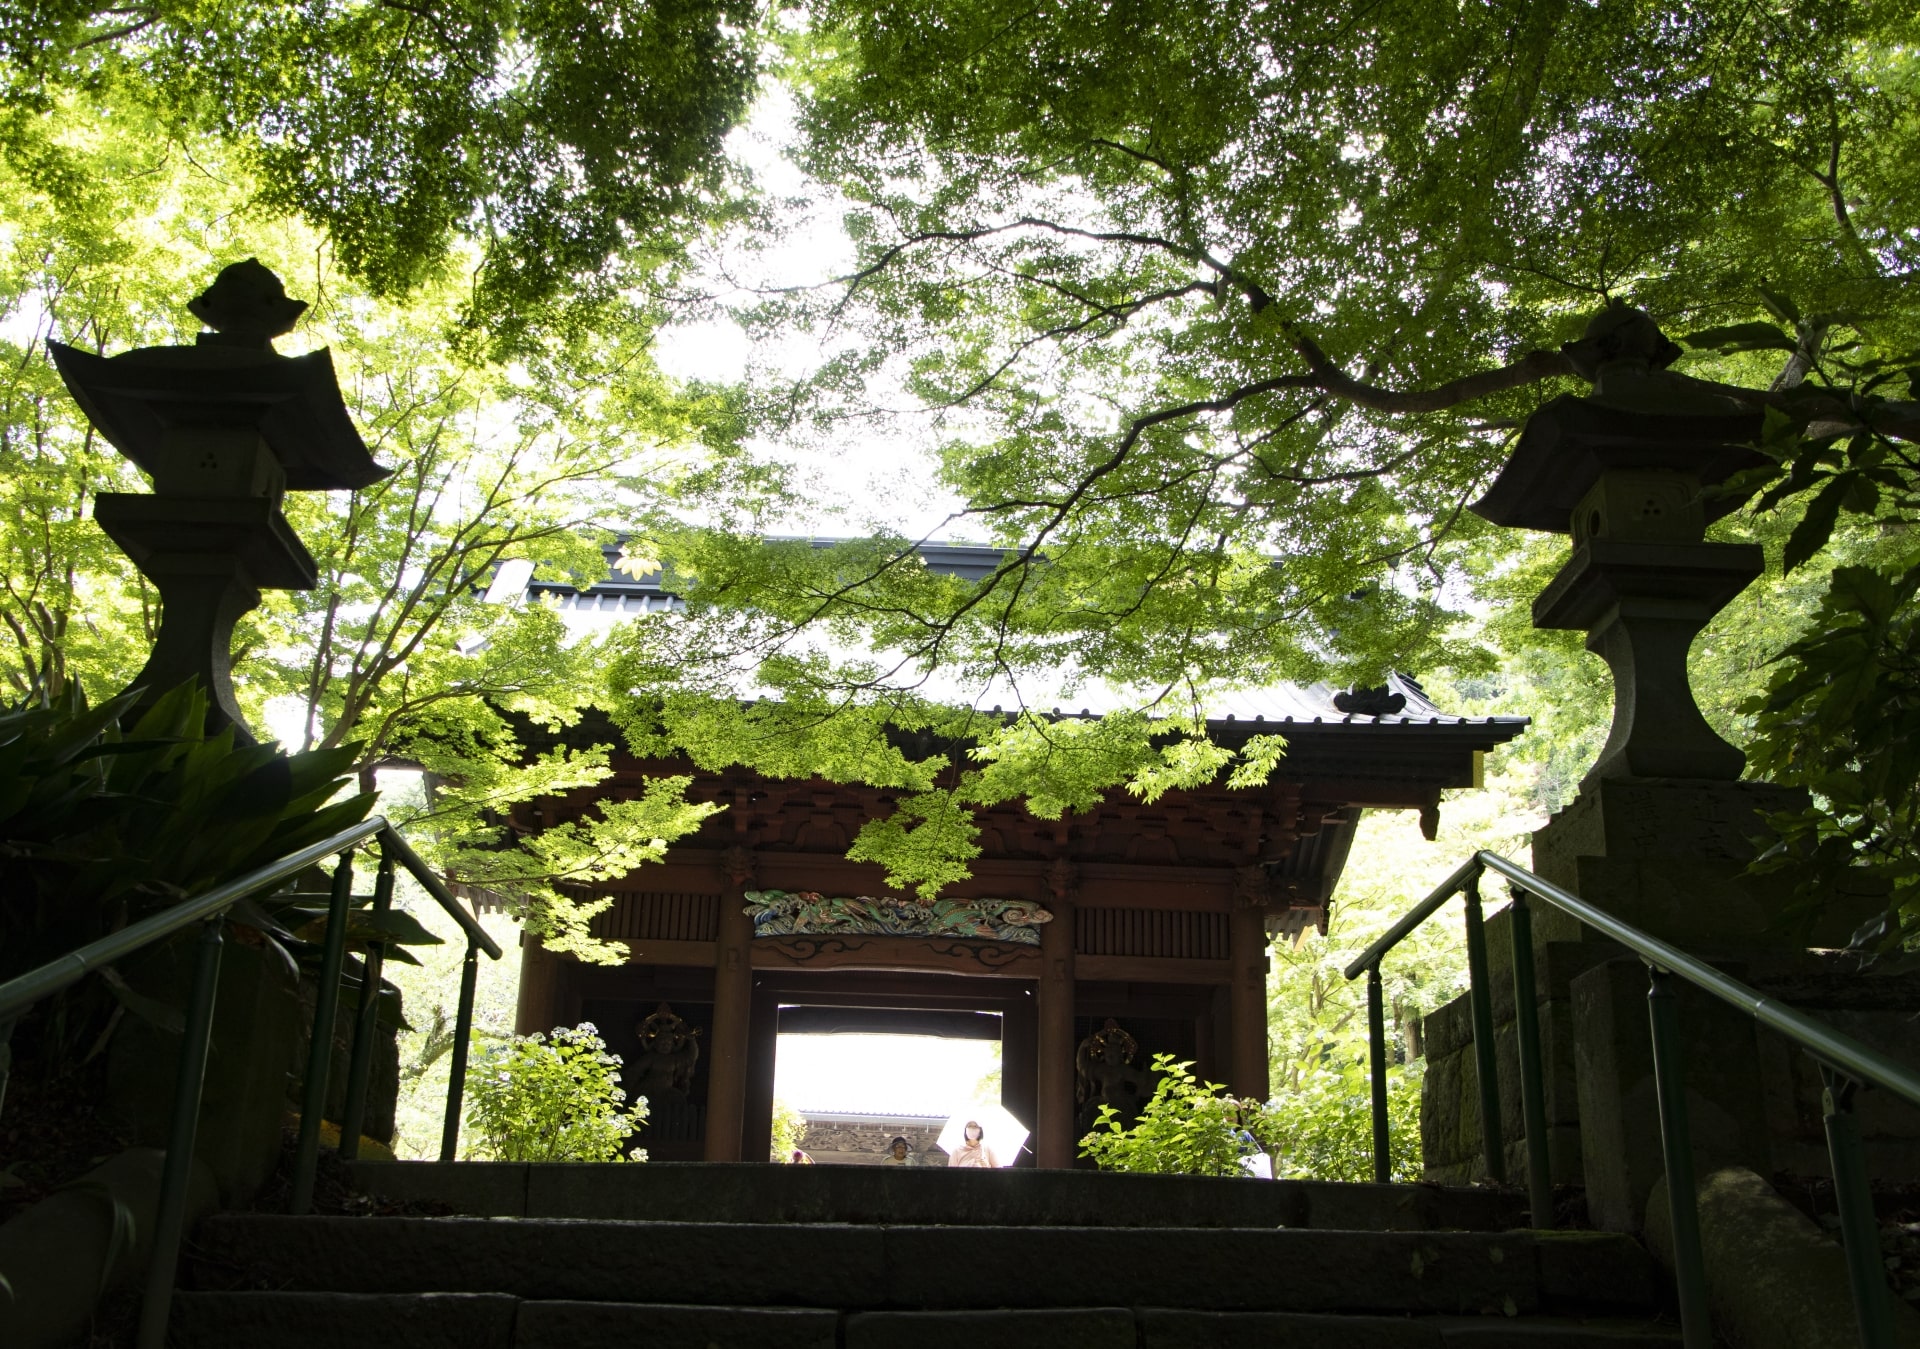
(973, 1149)
(899, 1152)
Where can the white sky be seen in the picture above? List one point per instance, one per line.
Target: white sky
(882, 1074)
(875, 470)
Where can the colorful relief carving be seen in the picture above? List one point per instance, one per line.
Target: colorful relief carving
(783, 913)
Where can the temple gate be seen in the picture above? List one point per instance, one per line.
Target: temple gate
(1156, 916)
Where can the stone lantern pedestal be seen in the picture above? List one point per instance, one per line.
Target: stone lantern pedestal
(225, 428)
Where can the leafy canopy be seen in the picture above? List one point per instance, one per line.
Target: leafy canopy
(538, 461)
(561, 148)
(1221, 314)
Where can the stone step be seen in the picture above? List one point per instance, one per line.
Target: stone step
(847, 1267)
(499, 1321)
(748, 1192)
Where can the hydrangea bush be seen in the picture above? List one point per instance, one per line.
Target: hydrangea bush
(553, 1098)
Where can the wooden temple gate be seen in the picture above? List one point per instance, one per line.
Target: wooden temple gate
(1160, 918)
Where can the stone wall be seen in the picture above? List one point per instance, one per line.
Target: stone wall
(1879, 1007)
(862, 1140)
(1876, 1007)
(1450, 1133)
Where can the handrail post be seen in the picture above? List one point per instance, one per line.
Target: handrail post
(1485, 1055)
(189, 1079)
(457, 1069)
(1676, 1145)
(1526, 1035)
(6, 1056)
(1377, 1065)
(313, 1101)
(1859, 1230)
(365, 1020)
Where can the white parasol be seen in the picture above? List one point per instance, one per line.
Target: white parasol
(1000, 1131)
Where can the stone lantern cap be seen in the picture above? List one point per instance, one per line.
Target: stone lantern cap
(231, 378)
(1639, 418)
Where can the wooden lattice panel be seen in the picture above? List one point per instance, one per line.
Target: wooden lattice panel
(1175, 934)
(643, 916)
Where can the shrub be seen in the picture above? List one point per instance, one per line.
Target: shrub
(1188, 1127)
(1322, 1129)
(555, 1098)
(789, 1126)
(100, 827)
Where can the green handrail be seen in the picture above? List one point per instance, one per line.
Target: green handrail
(22, 992)
(208, 909)
(1845, 1063)
(1812, 1034)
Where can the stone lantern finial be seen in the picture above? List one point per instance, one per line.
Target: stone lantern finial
(246, 306)
(1620, 335)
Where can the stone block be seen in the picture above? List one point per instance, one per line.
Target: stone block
(1774, 1279)
(819, 1266)
(1213, 1269)
(1718, 822)
(251, 1053)
(1595, 1272)
(621, 1325)
(476, 1189)
(1282, 1330)
(1448, 1029)
(1873, 1007)
(1342, 1206)
(746, 1192)
(329, 1320)
(1522, 1332)
(1062, 1328)
(1450, 1119)
(1619, 1117)
(383, 1079)
(60, 1257)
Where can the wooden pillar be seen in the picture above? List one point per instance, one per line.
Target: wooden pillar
(763, 1045)
(537, 1007)
(1018, 1027)
(1219, 1019)
(732, 1012)
(1247, 1002)
(1054, 1108)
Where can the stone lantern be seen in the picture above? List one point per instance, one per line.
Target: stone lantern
(224, 428)
(1662, 830)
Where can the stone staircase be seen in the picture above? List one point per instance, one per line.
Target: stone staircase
(767, 1257)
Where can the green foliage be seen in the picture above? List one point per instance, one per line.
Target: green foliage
(673, 685)
(541, 461)
(1128, 261)
(422, 143)
(100, 827)
(1187, 1128)
(1218, 316)
(1841, 717)
(789, 1127)
(1322, 1125)
(1321, 1106)
(556, 1098)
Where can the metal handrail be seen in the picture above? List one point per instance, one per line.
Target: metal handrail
(18, 994)
(1846, 1066)
(209, 909)
(1832, 1047)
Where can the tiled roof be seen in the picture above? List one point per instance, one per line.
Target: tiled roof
(1283, 705)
